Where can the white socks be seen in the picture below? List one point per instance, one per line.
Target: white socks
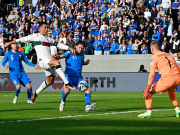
(60, 72)
(42, 87)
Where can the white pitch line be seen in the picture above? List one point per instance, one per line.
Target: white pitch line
(63, 117)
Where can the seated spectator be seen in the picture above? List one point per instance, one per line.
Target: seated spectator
(12, 16)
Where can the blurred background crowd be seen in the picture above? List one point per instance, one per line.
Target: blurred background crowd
(107, 26)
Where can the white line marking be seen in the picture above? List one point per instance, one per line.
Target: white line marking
(95, 95)
(63, 117)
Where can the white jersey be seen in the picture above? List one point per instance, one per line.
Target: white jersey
(41, 44)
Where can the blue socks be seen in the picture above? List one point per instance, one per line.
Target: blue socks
(87, 98)
(29, 91)
(64, 97)
(17, 92)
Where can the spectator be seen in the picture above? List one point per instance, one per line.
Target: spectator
(141, 69)
(1, 51)
(129, 47)
(123, 47)
(165, 45)
(154, 13)
(27, 49)
(107, 46)
(155, 36)
(175, 44)
(21, 49)
(89, 45)
(165, 4)
(98, 45)
(70, 43)
(135, 47)
(144, 49)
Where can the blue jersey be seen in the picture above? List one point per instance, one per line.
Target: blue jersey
(15, 62)
(73, 63)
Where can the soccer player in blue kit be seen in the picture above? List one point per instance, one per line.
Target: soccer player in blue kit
(73, 70)
(16, 71)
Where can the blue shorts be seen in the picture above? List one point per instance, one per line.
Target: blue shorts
(20, 78)
(74, 80)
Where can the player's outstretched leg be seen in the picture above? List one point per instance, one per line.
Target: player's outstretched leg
(172, 96)
(88, 100)
(42, 87)
(17, 91)
(55, 63)
(64, 96)
(29, 92)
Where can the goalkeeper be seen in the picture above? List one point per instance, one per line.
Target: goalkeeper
(169, 81)
(73, 73)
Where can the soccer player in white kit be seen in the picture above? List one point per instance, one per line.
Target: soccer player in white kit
(42, 43)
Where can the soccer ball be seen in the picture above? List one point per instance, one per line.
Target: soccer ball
(82, 86)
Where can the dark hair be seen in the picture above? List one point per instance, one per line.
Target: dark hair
(79, 42)
(42, 23)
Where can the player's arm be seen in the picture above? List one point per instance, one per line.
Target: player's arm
(64, 47)
(20, 40)
(57, 57)
(151, 76)
(5, 59)
(25, 59)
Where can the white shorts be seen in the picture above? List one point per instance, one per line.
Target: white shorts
(44, 64)
(97, 52)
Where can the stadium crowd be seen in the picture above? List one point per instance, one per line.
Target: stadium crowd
(107, 26)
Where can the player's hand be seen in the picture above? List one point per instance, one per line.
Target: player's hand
(53, 56)
(37, 67)
(73, 51)
(145, 93)
(7, 66)
(87, 61)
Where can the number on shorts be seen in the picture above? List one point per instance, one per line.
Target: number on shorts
(168, 62)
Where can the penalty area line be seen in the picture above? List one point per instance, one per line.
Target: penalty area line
(63, 117)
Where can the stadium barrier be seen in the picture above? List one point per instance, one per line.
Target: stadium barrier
(104, 73)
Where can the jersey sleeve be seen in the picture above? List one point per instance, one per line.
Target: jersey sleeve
(62, 46)
(67, 54)
(5, 59)
(25, 59)
(153, 62)
(29, 38)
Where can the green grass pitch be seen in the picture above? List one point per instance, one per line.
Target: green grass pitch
(115, 114)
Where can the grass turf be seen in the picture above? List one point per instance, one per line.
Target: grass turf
(75, 121)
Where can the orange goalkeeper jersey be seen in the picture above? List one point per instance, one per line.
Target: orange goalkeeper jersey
(165, 63)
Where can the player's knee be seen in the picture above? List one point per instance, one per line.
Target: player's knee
(28, 86)
(50, 81)
(88, 90)
(18, 86)
(56, 62)
(152, 91)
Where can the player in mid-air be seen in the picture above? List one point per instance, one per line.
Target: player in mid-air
(73, 70)
(42, 43)
(169, 81)
(16, 71)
